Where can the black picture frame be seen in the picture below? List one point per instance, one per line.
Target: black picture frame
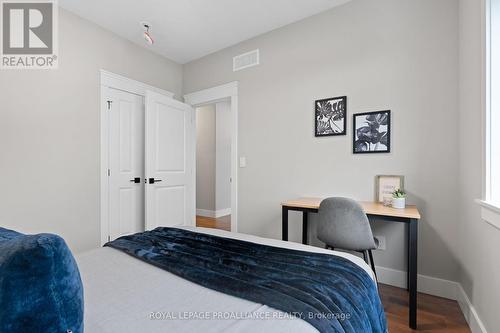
(323, 128)
(364, 143)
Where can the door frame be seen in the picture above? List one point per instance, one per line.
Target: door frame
(228, 91)
(118, 82)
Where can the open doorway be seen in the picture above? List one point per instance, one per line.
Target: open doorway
(224, 93)
(213, 165)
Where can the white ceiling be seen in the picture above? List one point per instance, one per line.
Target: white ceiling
(185, 30)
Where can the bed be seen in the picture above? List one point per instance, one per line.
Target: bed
(124, 294)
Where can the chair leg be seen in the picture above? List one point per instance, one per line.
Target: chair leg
(372, 263)
(365, 257)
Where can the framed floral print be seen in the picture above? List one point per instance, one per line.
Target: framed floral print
(330, 116)
(372, 132)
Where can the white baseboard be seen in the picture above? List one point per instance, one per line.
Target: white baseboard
(205, 212)
(213, 213)
(222, 212)
(470, 314)
(436, 287)
(426, 284)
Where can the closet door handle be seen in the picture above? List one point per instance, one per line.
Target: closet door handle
(152, 180)
(136, 180)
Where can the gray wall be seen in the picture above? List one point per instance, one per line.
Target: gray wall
(480, 242)
(49, 131)
(223, 156)
(205, 157)
(388, 54)
(213, 157)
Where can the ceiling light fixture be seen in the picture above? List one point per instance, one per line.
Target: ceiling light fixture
(147, 36)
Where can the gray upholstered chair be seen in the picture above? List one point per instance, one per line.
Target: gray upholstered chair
(344, 225)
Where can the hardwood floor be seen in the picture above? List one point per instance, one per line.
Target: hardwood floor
(435, 314)
(223, 223)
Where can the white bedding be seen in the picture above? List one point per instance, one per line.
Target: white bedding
(122, 293)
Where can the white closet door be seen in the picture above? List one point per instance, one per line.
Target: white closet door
(126, 163)
(170, 157)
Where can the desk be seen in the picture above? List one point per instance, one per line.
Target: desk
(374, 211)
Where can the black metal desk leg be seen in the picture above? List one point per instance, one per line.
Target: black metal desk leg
(284, 223)
(412, 267)
(407, 257)
(304, 227)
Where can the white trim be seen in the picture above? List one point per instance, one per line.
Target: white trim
(213, 95)
(470, 313)
(213, 213)
(391, 277)
(111, 80)
(205, 213)
(436, 287)
(491, 206)
(490, 213)
(104, 165)
(115, 81)
(426, 284)
(486, 96)
(222, 212)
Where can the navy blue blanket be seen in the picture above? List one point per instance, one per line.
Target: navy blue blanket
(330, 292)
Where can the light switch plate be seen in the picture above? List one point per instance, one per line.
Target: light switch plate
(243, 162)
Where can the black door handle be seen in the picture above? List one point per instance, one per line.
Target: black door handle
(136, 180)
(152, 180)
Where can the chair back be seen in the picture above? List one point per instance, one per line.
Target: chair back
(343, 224)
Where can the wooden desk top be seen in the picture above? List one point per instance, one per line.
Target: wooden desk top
(371, 208)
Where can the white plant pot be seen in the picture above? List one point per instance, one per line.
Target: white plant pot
(399, 203)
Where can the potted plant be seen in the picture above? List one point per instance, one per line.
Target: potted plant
(399, 199)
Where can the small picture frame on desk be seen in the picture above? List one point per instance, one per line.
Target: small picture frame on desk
(385, 185)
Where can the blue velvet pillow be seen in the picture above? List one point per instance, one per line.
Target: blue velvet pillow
(40, 285)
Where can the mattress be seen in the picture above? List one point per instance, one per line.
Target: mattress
(123, 294)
